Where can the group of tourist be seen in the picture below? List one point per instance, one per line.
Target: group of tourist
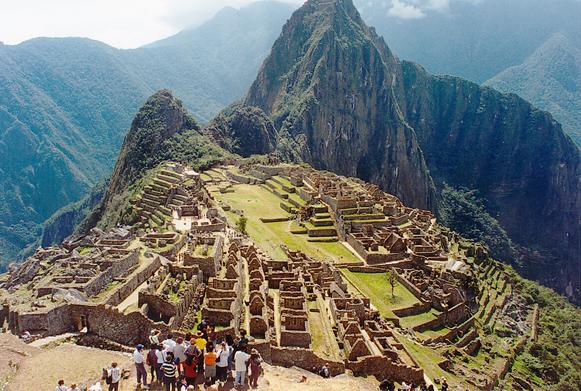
(178, 363)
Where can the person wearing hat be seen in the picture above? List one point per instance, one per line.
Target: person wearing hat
(255, 364)
(169, 370)
(140, 370)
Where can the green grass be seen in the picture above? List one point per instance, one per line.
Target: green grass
(414, 320)
(376, 287)
(284, 181)
(257, 202)
(83, 250)
(428, 358)
(199, 250)
(320, 333)
(175, 296)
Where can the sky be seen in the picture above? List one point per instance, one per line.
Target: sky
(120, 23)
(133, 23)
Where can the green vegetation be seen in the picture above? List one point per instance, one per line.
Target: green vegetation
(376, 286)
(256, 202)
(465, 212)
(241, 224)
(67, 103)
(552, 362)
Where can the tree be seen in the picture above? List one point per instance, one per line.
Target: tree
(391, 279)
(241, 224)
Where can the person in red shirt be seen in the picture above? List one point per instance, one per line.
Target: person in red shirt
(189, 369)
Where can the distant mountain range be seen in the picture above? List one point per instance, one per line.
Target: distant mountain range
(550, 78)
(65, 104)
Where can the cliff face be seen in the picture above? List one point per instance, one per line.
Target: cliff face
(242, 129)
(342, 101)
(517, 157)
(328, 87)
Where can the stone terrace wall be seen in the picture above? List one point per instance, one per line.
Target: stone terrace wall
(107, 322)
(382, 367)
(303, 358)
(133, 283)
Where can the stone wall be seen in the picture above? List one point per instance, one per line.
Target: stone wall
(382, 368)
(133, 282)
(303, 358)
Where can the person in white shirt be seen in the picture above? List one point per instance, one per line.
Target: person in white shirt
(96, 387)
(61, 386)
(169, 343)
(139, 360)
(241, 366)
(179, 352)
(73, 387)
(223, 354)
(114, 374)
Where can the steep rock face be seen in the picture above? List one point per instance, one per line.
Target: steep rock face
(327, 84)
(64, 222)
(342, 101)
(517, 157)
(245, 130)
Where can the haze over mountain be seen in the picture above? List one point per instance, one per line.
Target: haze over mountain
(340, 100)
(551, 79)
(472, 39)
(65, 105)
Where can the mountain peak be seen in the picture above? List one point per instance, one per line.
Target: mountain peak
(160, 118)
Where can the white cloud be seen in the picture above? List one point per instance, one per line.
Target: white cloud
(416, 9)
(405, 10)
(120, 23)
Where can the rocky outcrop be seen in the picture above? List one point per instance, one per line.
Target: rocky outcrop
(342, 101)
(247, 130)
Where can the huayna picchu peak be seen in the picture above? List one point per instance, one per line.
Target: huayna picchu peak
(353, 222)
(342, 101)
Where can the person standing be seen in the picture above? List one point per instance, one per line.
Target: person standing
(255, 364)
(210, 363)
(73, 387)
(179, 352)
(140, 370)
(223, 357)
(114, 374)
(240, 366)
(154, 337)
(151, 361)
(189, 368)
(201, 343)
(169, 374)
(160, 360)
(61, 386)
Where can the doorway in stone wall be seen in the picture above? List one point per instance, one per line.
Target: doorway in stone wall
(84, 324)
